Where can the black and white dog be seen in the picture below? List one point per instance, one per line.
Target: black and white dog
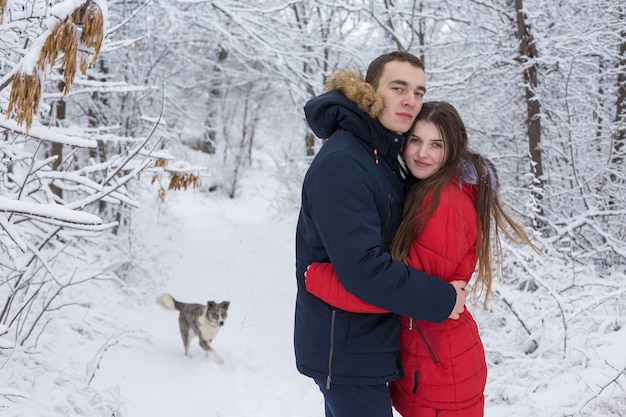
(198, 320)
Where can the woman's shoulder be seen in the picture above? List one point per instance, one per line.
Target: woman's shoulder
(454, 211)
(457, 194)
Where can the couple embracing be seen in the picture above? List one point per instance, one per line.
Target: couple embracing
(397, 213)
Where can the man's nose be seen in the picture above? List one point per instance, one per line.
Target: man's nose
(409, 100)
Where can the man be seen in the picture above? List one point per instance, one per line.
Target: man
(352, 201)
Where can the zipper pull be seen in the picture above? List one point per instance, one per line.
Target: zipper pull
(376, 155)
(410, 323)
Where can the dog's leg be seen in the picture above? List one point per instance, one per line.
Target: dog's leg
(209, 350)
(217, 357)
(184, 333)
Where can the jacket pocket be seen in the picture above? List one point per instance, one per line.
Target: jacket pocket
(370, 333)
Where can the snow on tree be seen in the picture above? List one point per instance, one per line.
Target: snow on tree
(53, 187)
(540, 86)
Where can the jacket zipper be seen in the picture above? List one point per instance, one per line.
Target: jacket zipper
(430, 349)
(388, 222)
(332, 348)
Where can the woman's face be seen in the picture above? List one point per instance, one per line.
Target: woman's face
(424, 150)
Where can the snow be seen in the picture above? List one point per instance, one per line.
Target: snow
(113, 351)
(53, 211)
(216, 249)
(48, 134)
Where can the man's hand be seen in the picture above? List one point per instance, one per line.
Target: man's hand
(461, 296)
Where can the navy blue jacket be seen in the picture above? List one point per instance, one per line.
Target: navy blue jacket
(352, 201)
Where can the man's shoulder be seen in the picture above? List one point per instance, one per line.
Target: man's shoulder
(344, 145)
(343, 139)
(341, 162)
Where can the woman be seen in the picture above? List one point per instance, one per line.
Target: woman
(446, 230)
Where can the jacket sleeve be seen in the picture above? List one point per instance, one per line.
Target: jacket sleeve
(322, 282)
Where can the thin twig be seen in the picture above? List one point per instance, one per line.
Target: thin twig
(602, 388)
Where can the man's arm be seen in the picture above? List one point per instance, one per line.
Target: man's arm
(346, 215)
(322, 282)
(461, 298)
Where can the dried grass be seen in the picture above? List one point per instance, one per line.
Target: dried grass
(161, 195)
(3, 7)
(25, 97)
(182, 180)
(87, 20)
(178, 180)
(62, 39)
(89, 16)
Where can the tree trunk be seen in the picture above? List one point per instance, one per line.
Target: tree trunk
(528, 56)
(57, 148)
(620, 112)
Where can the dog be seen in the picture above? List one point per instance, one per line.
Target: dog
(198, 320)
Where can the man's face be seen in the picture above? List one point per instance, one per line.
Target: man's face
(402, 87)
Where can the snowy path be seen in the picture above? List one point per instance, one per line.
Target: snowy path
(214, 249)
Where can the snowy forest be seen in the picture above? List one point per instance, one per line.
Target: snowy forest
(103, 105)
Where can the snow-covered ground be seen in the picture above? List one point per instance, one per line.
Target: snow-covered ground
(116, 352)
(214, 248)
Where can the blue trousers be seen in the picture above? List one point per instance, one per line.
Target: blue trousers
(356, 400)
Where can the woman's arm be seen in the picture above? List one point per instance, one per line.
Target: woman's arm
(322, 282)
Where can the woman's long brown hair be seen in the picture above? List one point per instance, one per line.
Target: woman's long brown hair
(492, 217)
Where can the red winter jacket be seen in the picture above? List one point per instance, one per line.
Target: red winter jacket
(444, 363)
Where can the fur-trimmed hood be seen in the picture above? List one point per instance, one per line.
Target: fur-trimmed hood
(351, 83)
(351, 104)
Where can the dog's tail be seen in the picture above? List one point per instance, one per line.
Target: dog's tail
(168, 302)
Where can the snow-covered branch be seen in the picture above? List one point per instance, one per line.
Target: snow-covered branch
(49, 211)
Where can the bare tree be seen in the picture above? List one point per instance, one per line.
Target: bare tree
(530, 68)
(50, 190)
(620, 104)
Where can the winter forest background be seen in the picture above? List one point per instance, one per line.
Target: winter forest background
(104, 105)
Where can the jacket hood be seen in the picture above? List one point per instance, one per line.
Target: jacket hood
(353, 86)
(466, 172)
(348, 104)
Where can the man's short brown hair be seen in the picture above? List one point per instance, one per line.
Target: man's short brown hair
(377, 66)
